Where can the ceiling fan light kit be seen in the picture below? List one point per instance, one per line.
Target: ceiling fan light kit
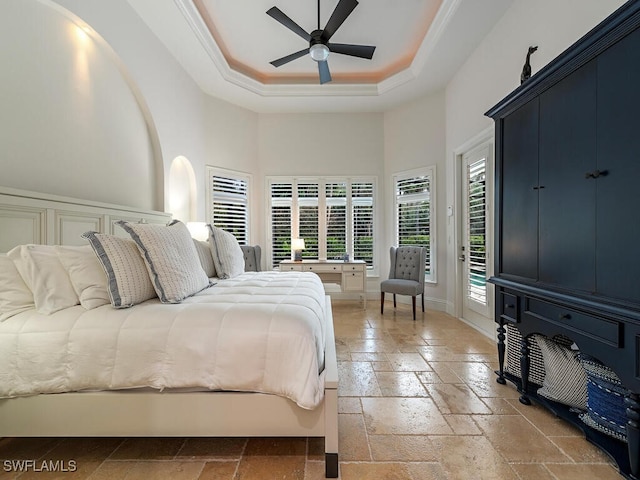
(319, 46)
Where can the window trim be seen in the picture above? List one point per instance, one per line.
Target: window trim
(322, 181)
(211, 172)
(429, 171)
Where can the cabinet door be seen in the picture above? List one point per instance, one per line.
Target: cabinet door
(567, 199)
(618, 226)
(518, 170)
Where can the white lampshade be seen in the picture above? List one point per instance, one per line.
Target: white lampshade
(198, 230)
(297, 244)
(319, 52)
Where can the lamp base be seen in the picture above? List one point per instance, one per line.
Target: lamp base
(297, 255)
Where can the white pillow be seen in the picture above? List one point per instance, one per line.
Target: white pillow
(128, 282)
(227, 254)
(86, 273)
(45, 276)
(171, 259)
(206, 259)
(15, 296)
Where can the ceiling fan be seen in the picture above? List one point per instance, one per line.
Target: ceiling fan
(319, 45)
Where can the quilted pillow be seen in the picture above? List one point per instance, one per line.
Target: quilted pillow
(606, 411)
(227, 254)
(45, 276)
(15, 296)
(565, 381)
(206, 259)
(86, 274)
(128, 282)
(170, 257)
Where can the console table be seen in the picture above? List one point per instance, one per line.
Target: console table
(351, 276)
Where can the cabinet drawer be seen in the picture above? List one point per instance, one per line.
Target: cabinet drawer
(353, 268)
(509, 310)
(602, 329)
(289, 268)
(322, 268)
(353, 281)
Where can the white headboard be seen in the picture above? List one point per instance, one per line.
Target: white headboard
(30, 217)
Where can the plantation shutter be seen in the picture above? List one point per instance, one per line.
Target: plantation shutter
(281, 207)
(230, 206)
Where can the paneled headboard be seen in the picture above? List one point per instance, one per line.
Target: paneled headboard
(30, 217)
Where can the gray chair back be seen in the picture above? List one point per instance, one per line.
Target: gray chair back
(252, 258)
(407, 263)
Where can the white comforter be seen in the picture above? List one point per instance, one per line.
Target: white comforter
(259, 332)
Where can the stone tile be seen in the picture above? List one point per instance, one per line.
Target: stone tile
(148, 448)
(500, 406)
(145, 470)
(535, 471)
(456, 398)
(403, 416)
(353, 444)
(466, 457)
(349, 405)
(271, 467)
(402, 448)
(368, 357)
(374, 471)
(583, 471)
(463, 425)
(279, 446)
(204, 448)
(357, 379)
(444, 372)
(428, 377)
(26, 448)
(408, 362)
(400, 384)
(545, 421)
(222, 470)
(580, 450)
(426, 471)
(370, 345)
(519, 441)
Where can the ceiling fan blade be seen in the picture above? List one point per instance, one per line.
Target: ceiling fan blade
(325, 75)
(281, 61)
(339, 15)
(362, 51)
(277, 14)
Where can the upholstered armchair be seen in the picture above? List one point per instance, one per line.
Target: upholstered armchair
(252, 256)
(406, 275)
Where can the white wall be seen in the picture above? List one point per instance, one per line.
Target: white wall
(414, 136)
(109, 161)
(320, 144)
(493, 71)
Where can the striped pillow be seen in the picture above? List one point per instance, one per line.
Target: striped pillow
(565, 381)
(227, 254)
(127, 278)
(170, 257)
(206, 259)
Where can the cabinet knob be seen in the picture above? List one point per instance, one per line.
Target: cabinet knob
(564, 316)
(509, 305)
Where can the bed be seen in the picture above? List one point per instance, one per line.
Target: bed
(225, 396)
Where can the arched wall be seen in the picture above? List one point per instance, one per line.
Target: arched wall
(72, 122)
(183, 191)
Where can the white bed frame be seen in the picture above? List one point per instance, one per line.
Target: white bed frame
(28, 217)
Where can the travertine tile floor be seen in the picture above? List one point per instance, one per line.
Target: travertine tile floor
(418, 401)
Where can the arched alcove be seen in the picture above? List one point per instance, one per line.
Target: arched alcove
(182, 190)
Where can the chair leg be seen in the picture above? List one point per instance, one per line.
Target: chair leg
(413, 304)
(394, 300)
(381, 303)
(422, 297)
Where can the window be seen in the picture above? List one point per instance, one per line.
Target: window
(414, 206)
(334, 216)
(228, 202)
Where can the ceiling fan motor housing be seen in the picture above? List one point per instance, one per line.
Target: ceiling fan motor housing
(317, 47)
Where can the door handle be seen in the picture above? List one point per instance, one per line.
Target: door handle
(462, 258)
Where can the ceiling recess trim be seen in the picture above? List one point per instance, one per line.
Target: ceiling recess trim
(427, 46)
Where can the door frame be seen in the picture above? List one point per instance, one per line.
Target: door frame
(484, 138)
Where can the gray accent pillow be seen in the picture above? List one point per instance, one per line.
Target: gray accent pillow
(170, 257)
(128, 281)
(565, 380)
(227, 254)
(206, 259)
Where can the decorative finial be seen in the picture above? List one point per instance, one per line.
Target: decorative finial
(526, 70)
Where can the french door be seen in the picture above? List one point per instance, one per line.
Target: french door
(475, 246)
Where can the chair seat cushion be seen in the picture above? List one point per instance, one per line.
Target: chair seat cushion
(401, 287)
